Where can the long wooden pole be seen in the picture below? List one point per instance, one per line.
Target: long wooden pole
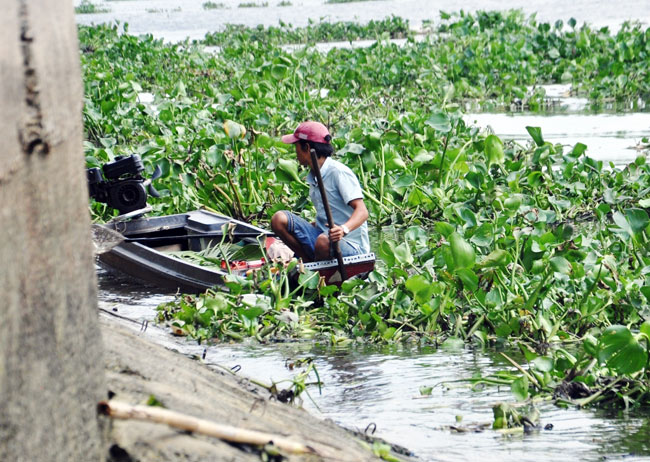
(185, 422)
(330, 221)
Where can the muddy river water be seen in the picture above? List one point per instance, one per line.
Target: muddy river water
(380, 385)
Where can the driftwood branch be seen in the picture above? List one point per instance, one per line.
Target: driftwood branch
(174, 419)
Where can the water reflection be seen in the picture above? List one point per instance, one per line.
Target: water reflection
(363, 386)
(628, 434)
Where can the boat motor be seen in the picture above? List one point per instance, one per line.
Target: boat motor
(120, 184)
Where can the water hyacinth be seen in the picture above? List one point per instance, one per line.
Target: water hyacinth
(533, 244)
(234, 130)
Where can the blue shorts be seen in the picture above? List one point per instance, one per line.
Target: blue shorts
(306, 234)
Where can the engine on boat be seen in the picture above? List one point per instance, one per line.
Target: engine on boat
(120, 184)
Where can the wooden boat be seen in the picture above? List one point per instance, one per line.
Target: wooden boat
(144, 253)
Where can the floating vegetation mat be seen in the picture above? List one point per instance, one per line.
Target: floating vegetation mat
(494, 248)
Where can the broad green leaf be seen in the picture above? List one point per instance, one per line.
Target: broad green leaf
(513, 202)
(388, 333)
(590, 344)
(440, 122)
(548, 238)
(503, 330)
(519, 388)
(353, 148)
(108, 106)
(529, 354)
(263, 140)
(250, 313)
(373, 140)
(496, 258)
(234, 130)
(536, 135)
(483, 236)
(309, 279)
(403, 254)
(645, 329)
(469, 278)
(403, 181)
(622, 222)
(212, 156)
(421, 288)
(279, 71)
(416, 233)
(387, 252)
(535, 179)
(544, 363)
(493, 298)
(494, 150)
(637, 219)
(216, 303)
(578, 150)
(475, 179)
(395, 163)
(444, 228)
(603, 209)
(564, 232)
(108, 142)
(287, 171)
(621, 351)
(326, 291)
(462, 251)
(165, 115)
(417, 197)
(188, 179)
(645, 290)
(468, 216)
(560, 265)
(422, 157)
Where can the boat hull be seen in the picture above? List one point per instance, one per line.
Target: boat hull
(148, 261)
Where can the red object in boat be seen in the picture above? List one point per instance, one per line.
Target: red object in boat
(243, 264)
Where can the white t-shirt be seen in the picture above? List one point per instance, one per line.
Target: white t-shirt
(341, 186)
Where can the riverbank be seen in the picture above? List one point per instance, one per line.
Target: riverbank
(139, 371)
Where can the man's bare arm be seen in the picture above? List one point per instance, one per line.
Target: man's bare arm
(358, 217)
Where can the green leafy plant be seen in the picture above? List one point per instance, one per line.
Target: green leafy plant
(88, 7)
(213, 5)
(494, 242)
(253, 5)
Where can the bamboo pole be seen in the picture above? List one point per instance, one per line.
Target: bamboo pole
(315, 168)
(185, 422)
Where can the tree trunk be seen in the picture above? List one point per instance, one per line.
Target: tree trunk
(51, 370)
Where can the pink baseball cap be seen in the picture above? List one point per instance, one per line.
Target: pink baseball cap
(309, 131)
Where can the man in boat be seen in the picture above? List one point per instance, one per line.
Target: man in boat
(312, 241)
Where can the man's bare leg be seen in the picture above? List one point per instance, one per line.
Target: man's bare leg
(322, 248)
(279, 224)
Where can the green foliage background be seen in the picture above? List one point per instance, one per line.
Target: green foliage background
(536, 244)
